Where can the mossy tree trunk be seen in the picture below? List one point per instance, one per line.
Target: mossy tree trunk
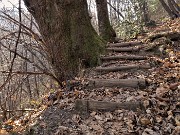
(69, 36)
(105, 29)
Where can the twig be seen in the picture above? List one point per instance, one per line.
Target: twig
(15, 54)
(115, 9)
(23, 110)
(23, 73)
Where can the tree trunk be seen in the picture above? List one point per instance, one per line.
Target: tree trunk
(69, 36)
(144, 10)
(146, 16)
(176, 5)
(105, 29)
(173, 8)
(168, 10)
(84, 106)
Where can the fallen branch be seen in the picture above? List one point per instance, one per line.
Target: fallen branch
(125, 44)
(125, 57)
(124, 49)
(163, 99)
(19, 110)
(23, 72)
(91, 105)
(169, 35)
(133, 83)
(119, 68)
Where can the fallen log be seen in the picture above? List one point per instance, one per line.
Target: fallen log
(125, 44)
(170, 35)
(124, 49)
(119, 68)
(133, 83)
(125, 57)
(92, 105)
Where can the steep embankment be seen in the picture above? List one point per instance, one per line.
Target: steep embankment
(135, 90)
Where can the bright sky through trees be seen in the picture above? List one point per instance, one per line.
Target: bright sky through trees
(10, 3)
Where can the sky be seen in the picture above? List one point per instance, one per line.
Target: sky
(9, 3)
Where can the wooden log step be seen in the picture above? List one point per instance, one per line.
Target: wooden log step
(125, 57)
(119, 68)
(92, 105)
(125, 44)
(133, 83)
(124, 49)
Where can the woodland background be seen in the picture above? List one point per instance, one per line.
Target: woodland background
(26, 75)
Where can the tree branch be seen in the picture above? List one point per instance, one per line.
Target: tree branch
(115, 9)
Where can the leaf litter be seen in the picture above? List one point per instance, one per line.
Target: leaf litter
(161, 99)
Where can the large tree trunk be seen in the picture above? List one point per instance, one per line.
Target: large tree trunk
(69, 36)
(168, 10)
(105, 29)
(175, 11)
(176, 5)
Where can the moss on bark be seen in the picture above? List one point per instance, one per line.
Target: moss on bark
(105, 29)
(68, 34)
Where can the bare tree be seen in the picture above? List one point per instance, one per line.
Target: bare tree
(22, 79)
(105, 29)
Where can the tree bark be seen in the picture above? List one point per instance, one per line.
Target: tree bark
(173, 8)
(69, 36)
(83, 106)
(105, 29)
(124, 57)
(176, 5)
(168, 10)
(120, 68)
(125, 44)
(132, 83)
(144, 10)
(124, 49)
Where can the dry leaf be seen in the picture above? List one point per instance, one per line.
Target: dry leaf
(109, 116)
(3, 132)
(98, 117)
(97, 127)
(161, 91)
(130, 98)
(174, 86)
(145, 121)
(129, 122)
(176, 131)
(158, 119)
(177, 120)
(93, 113)
(146, 103)
(43, 124)
(76, 118)
(62, 130)
(148, 131)
(76, 93)
(167, 64)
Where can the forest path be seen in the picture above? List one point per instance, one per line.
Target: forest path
(125, 66)
(134, 90)
(123, 58)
